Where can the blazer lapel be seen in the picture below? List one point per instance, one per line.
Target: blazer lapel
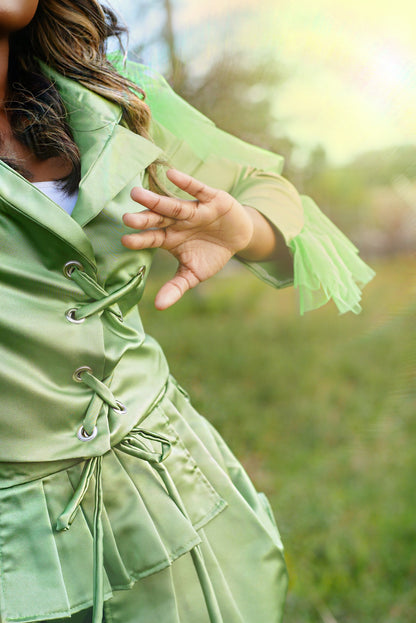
(111, 155)
(22, 196)
(124, 157)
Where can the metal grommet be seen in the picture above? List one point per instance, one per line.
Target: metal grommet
(77, 374)
(121, 409)
(70, 267)
(70, 316)
(84, 436)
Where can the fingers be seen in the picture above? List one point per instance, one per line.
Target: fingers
(166, 206)
(147, 219)
(174, 289)
(171, 207)
(152, 239)
(193, 187)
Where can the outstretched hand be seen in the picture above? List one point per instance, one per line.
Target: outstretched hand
(202, 234)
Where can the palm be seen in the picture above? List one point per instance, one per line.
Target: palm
(202, 235)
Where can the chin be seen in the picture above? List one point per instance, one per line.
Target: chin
(16, 14)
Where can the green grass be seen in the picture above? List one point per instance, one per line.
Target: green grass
(320, 410)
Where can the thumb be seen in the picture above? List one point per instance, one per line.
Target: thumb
(173, 290)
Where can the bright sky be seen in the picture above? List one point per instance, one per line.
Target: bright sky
(351, 64)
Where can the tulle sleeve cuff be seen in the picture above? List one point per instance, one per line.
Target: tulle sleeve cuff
(326, 264)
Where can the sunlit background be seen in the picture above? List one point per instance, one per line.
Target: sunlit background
(329, 85)
(349, 67)
(320, 409)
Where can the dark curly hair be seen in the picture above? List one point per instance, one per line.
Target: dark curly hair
(70, 36)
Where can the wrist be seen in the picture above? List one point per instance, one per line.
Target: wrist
(262, 243)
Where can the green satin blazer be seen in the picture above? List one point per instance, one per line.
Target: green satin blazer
(52, 264)
(74, 356)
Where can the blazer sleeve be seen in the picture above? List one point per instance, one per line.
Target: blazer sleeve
(326, 264)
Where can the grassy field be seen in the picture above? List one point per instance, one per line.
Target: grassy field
(320, 410)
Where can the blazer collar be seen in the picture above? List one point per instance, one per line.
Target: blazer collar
(111, 157)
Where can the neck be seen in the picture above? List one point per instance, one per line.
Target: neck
(4, 65)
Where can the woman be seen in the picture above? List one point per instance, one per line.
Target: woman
(118, 501)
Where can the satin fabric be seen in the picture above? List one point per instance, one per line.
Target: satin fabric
(145, 533)
(51, 543)
(40, 349)
(115, 493)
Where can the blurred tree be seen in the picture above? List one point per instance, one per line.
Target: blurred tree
(317, 163)
(164, 37)
(372, 198)
(383, 166)
(236, 92)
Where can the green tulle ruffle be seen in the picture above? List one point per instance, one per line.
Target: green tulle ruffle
(326, 264)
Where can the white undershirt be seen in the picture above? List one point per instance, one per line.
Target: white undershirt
(53, 190)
